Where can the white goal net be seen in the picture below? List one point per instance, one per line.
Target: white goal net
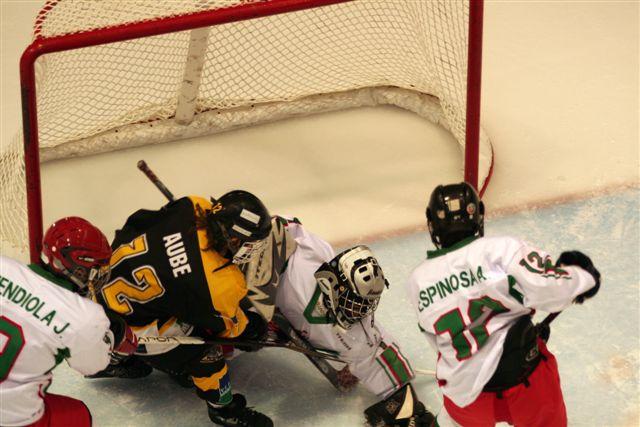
(157, 88)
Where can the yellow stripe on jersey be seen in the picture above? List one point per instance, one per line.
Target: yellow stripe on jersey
(226, 285)
(136, 247)
(211, 382)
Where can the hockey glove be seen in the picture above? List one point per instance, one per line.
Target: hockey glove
(255, 331)
(123, 341)
(581, 260)
(401, 409)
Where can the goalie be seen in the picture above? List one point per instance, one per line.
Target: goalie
(331, 299)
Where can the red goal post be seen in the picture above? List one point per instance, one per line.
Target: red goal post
(106, 75)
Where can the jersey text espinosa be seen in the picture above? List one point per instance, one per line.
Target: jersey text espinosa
(177, 254)
(449, 285)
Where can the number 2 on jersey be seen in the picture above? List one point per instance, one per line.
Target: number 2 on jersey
(452, 323)
(119, 292)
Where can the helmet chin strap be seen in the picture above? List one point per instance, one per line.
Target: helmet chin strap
(91, 289)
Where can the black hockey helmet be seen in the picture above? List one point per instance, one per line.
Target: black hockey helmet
(454, 213)
(242, 221)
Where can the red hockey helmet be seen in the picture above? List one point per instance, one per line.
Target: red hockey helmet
(76, 249)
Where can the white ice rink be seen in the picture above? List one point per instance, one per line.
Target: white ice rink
(560, 104)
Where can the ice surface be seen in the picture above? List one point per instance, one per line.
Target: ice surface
(596, 344)
(560, 103)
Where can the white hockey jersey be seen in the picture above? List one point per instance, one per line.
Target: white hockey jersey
(42, 324)
(371, 353)
(467, 296)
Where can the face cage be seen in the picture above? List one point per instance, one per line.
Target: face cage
(87, 279)
(248, 250)
(354, 307)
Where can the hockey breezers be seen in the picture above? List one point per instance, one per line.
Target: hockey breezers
(269, 341)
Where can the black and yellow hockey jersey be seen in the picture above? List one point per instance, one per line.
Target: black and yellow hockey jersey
(162, 272)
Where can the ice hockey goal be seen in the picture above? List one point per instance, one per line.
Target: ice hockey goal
(105, 75)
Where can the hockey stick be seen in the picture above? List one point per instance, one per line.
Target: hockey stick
(187, 340)
(142, 165)
(283, 324)
(325, 368)
(550, 318)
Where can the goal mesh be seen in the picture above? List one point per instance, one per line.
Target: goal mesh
(412, 54)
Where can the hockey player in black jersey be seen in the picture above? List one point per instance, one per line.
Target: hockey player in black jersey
(175, 271)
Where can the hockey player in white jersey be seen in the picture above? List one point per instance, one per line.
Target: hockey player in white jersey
(330, 300)
(44, 320)
(474, 297)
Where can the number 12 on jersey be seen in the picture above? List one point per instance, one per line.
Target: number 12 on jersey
(480, 312)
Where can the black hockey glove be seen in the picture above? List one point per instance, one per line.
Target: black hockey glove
(584, 262)
(255, 332)
(386, 413)
(123, 341)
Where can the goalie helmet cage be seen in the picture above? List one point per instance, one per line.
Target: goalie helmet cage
(115, 74)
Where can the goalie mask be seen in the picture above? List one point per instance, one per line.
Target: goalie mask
(243, 222)
(352, 283)
(76, 250)
(454, 213)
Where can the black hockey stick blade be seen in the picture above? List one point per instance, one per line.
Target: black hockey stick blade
(550, 318)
